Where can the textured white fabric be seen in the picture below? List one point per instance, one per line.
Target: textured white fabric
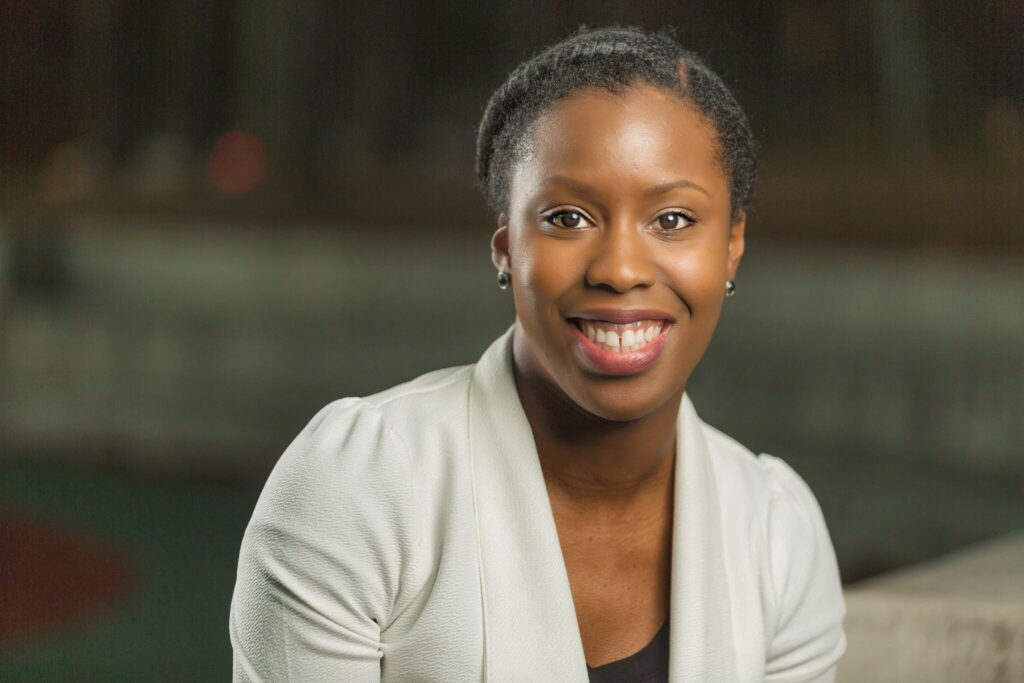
(408, 536)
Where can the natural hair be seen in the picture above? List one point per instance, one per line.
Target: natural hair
(611, 58)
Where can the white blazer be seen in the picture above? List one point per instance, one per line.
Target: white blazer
(408, 536)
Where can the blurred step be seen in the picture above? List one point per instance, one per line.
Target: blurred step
(955, 619)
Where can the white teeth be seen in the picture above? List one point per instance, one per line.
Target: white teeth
(634, 337)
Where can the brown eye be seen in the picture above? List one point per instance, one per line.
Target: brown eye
(567, 219)
(673, 221)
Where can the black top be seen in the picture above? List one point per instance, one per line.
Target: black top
(649, 665)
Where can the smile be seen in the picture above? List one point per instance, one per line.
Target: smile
(619, 348)
(618, 337)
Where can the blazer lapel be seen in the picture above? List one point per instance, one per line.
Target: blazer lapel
(530, 627)
(700, 641)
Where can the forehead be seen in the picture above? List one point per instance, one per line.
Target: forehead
(644, 134)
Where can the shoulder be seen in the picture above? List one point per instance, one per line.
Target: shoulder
(770, 489)
(361, 431)
(767, 480)
(350, 491)
(759, 478)
(779, 495)
(343, 480)
(368, 441)
(426, 398)
(339, 544)
(362, 458)
(799, 573)
(427, 417)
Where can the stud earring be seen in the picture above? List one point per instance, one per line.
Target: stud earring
(730, 287)
(503, 279)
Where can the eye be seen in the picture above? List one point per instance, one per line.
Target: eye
(674, 220)
(567, 218)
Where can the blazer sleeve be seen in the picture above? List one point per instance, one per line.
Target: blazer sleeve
(321, 561)
(808, 638)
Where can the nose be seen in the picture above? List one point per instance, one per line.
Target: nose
(620, 260)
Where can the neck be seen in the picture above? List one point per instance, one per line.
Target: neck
(592, 463)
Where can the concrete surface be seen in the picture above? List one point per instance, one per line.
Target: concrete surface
(958, 619)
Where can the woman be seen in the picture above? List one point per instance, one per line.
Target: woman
(557, 511)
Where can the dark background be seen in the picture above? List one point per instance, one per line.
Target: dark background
(882, 122)
(217, 216)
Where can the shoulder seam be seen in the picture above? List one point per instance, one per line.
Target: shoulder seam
(394, 610)
(324, 413)
(358, 404)
(412, 391)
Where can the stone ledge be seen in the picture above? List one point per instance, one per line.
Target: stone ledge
(959, 618)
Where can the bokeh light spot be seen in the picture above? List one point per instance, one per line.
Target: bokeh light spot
(238, 162)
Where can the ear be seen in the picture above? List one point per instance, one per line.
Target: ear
(736, 243)
(499, 245)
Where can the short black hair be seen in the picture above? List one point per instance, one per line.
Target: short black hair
(611, 58)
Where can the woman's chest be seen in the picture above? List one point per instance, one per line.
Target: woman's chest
(620, 584)
(495, 602)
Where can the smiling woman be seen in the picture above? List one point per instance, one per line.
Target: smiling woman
(557, 510)
(649, 239)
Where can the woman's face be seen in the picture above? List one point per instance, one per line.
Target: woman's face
(619, 244)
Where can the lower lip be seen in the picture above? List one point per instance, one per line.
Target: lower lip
(619, 363)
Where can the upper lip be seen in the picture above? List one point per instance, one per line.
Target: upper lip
(622, 315)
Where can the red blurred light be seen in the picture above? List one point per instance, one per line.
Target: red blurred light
(238, 162)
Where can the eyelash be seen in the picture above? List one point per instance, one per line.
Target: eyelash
(550, 219)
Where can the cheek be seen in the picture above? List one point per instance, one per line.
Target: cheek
(699, 274)
(543, 268)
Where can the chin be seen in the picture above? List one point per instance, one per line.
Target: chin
(621, 404)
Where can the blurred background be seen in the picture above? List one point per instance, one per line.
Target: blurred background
(215, 217)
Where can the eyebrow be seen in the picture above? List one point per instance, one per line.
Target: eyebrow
(662, 189)
(583, 188)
